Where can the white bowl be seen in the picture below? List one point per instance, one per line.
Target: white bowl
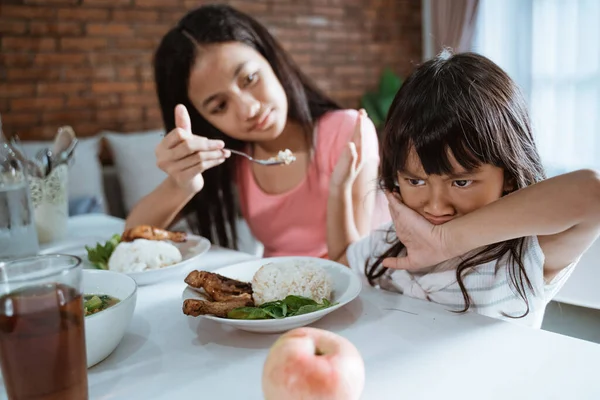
(346, 287)
(105, 329)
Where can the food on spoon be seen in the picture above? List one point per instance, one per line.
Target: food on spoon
(151, 233)
(286, 156)
(310, 363)
(143, 255)
(94, 303)
(277, 291)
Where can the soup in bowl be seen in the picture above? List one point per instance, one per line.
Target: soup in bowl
(109, 302)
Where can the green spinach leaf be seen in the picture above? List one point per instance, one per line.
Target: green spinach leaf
(247, 313)
(100, 254)
(288, 307)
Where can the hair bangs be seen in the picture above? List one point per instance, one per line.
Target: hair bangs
(442, 144)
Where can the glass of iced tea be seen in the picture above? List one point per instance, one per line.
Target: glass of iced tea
(42, 336)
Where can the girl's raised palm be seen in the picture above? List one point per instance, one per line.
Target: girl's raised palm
(185, 156)
(424, 242)
(351, 161)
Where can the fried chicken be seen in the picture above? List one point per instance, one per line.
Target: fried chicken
(151, 233)
(225, 293)
(218, 287)
(194, 307)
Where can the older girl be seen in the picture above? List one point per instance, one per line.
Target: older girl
(224, 83)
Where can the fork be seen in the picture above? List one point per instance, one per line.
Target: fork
(270, 161)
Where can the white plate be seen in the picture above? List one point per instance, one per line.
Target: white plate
(191, 250)
(346, 287)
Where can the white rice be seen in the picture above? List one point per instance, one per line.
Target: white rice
(276, 281)
(142, 255)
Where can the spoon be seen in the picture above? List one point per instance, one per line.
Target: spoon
(271, 161)
(44, 160)
(64, 145)
(63, 139)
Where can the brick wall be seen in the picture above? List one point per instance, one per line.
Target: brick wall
(87, 63)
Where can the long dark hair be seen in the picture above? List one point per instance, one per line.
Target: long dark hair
(467, 105)
(213, 211)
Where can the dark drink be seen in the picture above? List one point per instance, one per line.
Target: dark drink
(42, 343)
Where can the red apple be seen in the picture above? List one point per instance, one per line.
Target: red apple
(310, 363)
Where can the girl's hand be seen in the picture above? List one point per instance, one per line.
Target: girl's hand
(185, 156)
(351, 161)
(424, 242)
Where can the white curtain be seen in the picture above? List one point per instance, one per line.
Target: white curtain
(551, 48)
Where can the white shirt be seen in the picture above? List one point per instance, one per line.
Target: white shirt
(489, 285)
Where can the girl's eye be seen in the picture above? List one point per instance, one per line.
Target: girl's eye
(415, 182)
(219, 108)
(251, 78)
(463, 183)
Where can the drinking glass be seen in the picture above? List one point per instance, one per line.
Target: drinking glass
(42, 332)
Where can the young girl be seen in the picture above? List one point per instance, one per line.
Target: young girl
(223, 83)
(475, 225)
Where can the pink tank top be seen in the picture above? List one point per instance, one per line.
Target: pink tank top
(294, 222)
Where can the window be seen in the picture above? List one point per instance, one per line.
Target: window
(551, 48)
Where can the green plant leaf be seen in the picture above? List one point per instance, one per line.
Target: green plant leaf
(389, 84)
(383, 105)
(369, 103)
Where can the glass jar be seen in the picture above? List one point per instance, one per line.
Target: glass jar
(18, 234)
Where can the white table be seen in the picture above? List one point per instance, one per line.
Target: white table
(412, 350)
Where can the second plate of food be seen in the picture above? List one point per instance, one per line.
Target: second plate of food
(135, 259)
(270, 295)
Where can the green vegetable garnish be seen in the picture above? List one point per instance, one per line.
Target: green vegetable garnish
(94, 303)
(288, 307)
(99, 255)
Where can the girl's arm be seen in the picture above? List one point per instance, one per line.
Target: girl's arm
(160, 207)
(563, 212)
(352, 190)
(342, 228)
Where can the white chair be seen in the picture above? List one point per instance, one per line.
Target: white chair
(575, 310)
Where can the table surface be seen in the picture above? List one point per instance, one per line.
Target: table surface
(411, 349)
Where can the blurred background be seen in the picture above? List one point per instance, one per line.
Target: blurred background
(87, 63)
